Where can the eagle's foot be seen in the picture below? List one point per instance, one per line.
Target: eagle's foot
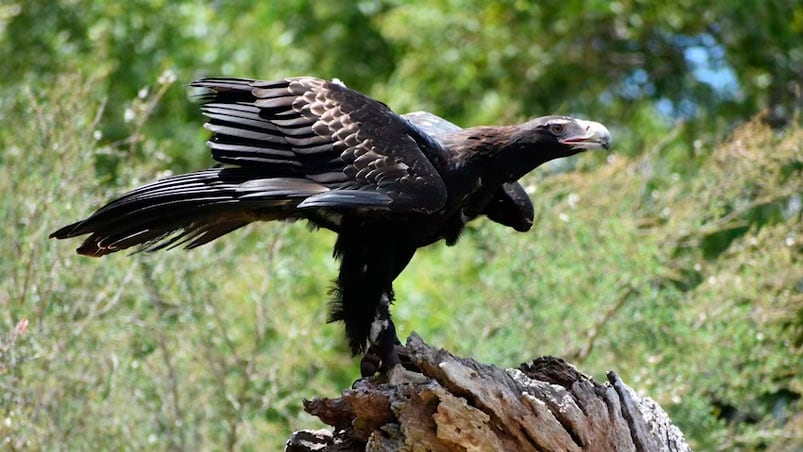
(369, 364)
(380, 357)
(395, 373)
(386, 361)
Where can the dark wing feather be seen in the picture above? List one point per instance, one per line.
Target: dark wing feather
(189, 209)
(322, 131)
(511, 206)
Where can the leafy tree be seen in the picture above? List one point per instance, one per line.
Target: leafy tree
(471, 60)
(698, 242)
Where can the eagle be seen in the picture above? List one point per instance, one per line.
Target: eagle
(304, 148)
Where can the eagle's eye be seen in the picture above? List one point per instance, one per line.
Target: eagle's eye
(556, 129)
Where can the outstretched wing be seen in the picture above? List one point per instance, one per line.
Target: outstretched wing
(365, 155)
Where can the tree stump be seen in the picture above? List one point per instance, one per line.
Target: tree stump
(545, 405)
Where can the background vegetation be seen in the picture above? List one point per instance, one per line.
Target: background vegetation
(675, 259)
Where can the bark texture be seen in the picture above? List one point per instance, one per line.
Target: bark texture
(544, 405)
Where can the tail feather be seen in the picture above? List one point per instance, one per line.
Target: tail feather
(189, 209)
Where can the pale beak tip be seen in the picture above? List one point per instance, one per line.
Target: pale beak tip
(606, 140)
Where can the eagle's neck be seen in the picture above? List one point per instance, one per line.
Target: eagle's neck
(493, 155)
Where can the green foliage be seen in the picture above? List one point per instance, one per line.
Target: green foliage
(146, 350)
(675, 261)
(219, 345)
(471, 61)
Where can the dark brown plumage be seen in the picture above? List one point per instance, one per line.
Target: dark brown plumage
(305, 148)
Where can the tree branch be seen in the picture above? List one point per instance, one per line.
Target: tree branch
(545, 405)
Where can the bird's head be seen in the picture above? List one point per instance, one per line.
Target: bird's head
(561, 136)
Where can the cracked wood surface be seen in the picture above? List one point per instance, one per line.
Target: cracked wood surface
(544, 405)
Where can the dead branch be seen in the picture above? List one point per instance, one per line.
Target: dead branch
(545, 405)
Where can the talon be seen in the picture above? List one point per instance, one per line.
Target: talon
(369, 365)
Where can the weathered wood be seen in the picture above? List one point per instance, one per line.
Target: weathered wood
(545, 405)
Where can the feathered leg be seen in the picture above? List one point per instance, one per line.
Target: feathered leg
(370, 259)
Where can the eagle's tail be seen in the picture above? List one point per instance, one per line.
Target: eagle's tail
(189, 209)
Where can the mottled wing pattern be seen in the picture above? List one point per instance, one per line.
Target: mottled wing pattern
(360, 151)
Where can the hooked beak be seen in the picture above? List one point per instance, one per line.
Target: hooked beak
(591, 135)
